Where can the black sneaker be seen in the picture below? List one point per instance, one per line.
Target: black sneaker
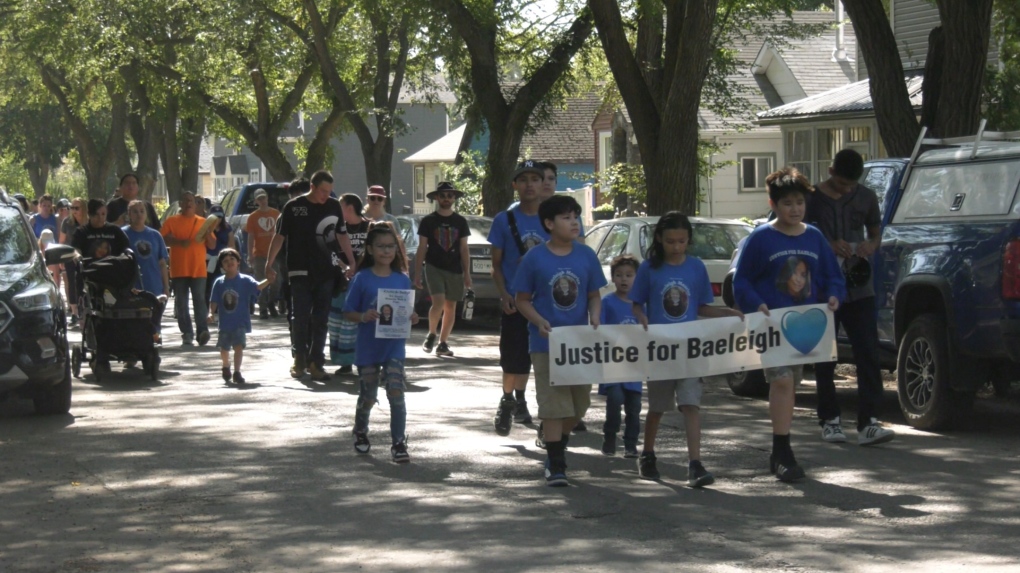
(399, 453)
(443, 350)
(521, 413)
(787, 472)
(630, 449)
(646, 466)
(698, 476)
(238, 379)
(580, 427)
(74, 320)
(540, 438)
(345, 369)
(226, 374)
(361, 444)
(609, 444)
(503, 415)
(429, 344)
(263, 313)
(202, 338)
(272, 312)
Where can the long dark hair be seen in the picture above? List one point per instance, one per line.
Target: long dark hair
(376, 230)
(673, 220)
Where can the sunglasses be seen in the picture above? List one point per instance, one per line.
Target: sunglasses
(446, 195)
(376, 198)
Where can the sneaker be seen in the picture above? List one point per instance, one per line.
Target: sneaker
(429, 344)
(630, 450)
(203, 338)
(873, 434)
(399, 453)
(443, 350)
(832, 431)
(272, 312)
(263, 313)
(298, 369)
(580, 427)
(226, 374)
(187, 340)
(698, 476)
(503, 415)
(646, 467)
(609, 444)
(74, 321)
(238, 379)
(361, 444)
(521, 413)
(318, 374)
(540, 438)
(784, 472)
(345, 369)
(555, 474)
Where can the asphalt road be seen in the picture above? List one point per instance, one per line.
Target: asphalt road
(189, 474)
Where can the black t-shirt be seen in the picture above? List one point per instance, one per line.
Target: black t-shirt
(96, 243)
(117, 207)
(311, 230)
(444, 235)
(846, 218)
(357, 233)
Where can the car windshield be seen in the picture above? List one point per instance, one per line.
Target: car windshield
(15, 244)
(278, 197)
(712, 241)
(479, 226)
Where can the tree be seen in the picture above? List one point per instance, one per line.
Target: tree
(1003, 92)
(508, 107)
(954, 71)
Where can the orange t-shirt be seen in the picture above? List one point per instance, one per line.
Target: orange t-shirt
(186, 262)
(260, 228)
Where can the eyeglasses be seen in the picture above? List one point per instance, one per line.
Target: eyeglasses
(376, 198)
(386, 247)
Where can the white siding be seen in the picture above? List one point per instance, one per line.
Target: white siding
(722, 197)
(912, 20)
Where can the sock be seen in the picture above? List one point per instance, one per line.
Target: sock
(565, 440)
(781, 448)
(519, 394)
(508, 396)
(693, 463)
(644, 451)
(557, 454)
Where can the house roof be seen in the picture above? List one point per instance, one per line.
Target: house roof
(238, 164)
(851, 99)
(809, 61)
(566, 137)
(442, 150)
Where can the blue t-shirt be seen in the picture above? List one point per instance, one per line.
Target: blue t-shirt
(362, 295)
(559, 287)
(780, 271)
(233, 298)
(222, 234)
(39, 223)
(532, 233)
(617, 311)
(672, 293)
(149, 249)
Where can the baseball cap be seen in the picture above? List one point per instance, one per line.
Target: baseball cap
(529, 166)
(261, 193)
(377, 190)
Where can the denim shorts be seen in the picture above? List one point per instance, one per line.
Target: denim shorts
(229, 339)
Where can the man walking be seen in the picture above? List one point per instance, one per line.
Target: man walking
(315, 233)
(188, 268)
(261, 227)
(847, 214)
(127, 191)
(443, 246)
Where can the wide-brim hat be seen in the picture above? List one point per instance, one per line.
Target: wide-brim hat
(529, 166)
(444, 187)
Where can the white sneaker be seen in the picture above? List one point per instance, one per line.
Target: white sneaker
(873, 434)
(832, 431)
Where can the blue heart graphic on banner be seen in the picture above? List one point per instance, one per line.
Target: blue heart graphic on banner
(804, 330)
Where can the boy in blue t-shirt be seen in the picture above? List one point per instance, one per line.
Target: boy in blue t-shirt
(618, 309)
(786, 263)
(558, 284)
(232, 295)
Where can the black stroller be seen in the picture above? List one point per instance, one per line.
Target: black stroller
(117, 322)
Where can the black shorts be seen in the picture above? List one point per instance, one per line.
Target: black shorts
(513, 344)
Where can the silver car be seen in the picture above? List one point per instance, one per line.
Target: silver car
(714, 241)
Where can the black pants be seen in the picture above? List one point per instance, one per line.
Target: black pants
(311, 300)
(860, 321)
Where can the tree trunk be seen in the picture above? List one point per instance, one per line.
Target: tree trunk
(192, 132)
(38, 172)
(931, 85)
(893, 112)
(267, 148)
(319, 148)
(500, 163)
(967, 26)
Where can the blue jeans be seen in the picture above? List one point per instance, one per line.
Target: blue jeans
(616, 397)
(311, 299)
(391, 375)
(860, 321)
(196, 286)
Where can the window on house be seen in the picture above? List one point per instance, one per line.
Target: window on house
(753, 171)
(798, 151)
(830, 141)
(254, 175)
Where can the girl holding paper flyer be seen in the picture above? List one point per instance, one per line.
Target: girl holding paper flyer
(779, 263)
(675, 288)
(379, 360)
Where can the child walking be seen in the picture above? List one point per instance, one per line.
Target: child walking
(617, 308)
(542, 299)
(764, 282)
(379, 360)
(232, 295)
(675, 288)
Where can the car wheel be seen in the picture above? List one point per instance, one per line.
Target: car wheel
(76, 361)
(57, 399)
(924, 370)
(750, 383)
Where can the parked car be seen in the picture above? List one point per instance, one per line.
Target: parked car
(714, 242)
(486, 296)
(33, 333)
(239, 202)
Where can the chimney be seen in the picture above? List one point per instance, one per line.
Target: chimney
(839, 54)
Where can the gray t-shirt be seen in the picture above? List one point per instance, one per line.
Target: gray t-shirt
(846, 218)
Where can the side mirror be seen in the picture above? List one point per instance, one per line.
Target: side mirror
(56, 254)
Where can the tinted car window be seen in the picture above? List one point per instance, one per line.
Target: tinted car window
(15, 244)
(614, 245)
(229, 199)
(278, 197)
(712, 242)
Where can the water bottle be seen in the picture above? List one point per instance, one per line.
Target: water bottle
(469, 304)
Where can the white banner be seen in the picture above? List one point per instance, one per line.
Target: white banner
(628, 353)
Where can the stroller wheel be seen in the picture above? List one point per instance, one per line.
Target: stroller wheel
(154, 366)
(76, 361)
(97, 369)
